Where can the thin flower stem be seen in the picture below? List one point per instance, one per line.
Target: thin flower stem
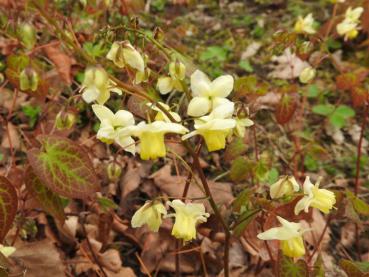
(320, 239)
(357, 176)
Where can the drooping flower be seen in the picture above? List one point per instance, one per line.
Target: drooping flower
(151, 137)
(289, 235)
(305, 25)
(177, 71)
(307, 75)
(96, 86)
(187, 216)
(160, 115)
(349, 27)
(207, 94)
(123, 53)
(142, 77)
(286, 185)
(215, 127)
(315, 197)
(150, 214)
(115, 127)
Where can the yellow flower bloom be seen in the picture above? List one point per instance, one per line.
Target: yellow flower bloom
(96, 86)
(207, 94)
(151, 137)
(307, 75)
(315, 197)
(115, 127)
(123, 53)
(215, 127)
(290, 235)
(177, 71)
(7, 250)
(286, 185)
(149, 214)
(305, 25)
(349, 27)
(187, 216)
(241, 124)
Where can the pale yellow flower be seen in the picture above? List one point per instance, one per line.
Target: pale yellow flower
(215, 127)
(123, 53)
(307, 75)
(207, 94)
(7, 250)
(241, 124)
(150, 214)
(187, 216)
(289, 235)
(349, 27)
(177, 71)
(286, 185)
(305, 25)
(115, 127)
(96, 86)
(151, 137)
(315, 197)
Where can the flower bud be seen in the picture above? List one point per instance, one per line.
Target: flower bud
(158, 34)
(28, 79)
(307, 75)
(65, 120)
(123, 53)
(286, 185)
(95, 76)
(177, 70)
(114, 171)
(27, 35)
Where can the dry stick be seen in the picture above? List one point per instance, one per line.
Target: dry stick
(92, 250)
(320, 239)
(357, 177)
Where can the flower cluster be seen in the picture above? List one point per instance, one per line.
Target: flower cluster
(290, 233)
(187, 216)
(349, 27)
(212, 111)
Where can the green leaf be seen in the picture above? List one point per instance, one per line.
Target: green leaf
(214, 53)
(243, 221)
(345, 111)
(319, 267)
(64, 167)
(359, 205)
(240, 169)
(245, 65)
(273, 175)
(8, 206)
(49, 200)
(313, 91)
(106, 204)
(32, 113)
(337, 121)
(323, 109)
(241, 200)
(290, 269)
(355, 269)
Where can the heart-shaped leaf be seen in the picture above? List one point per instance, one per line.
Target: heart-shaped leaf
(8, 206)
(64, 167)
(49, 200)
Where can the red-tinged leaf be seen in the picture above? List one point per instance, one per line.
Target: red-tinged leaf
(49, 200)
(8, 206)
(359, 96)
(64, 167)
(285, 109)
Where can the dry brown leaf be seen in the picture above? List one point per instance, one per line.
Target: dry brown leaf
(14, 137)
(61, 60)
(316, 227)
(174, 185)
(41, 258)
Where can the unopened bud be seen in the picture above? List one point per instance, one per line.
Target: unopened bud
(27, 35)
(286, 185)
(177, 70)
(114, 171)
(28, 79)
(307, 75)
(158, 34)
(65, 120)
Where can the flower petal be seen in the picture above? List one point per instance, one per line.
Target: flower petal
(123, 118)
(222, 86)
(200, 84)
(127, 143)
(198, 106)
(165, 85)
(103, 113)
(90, 94)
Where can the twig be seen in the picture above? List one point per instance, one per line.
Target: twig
(320, 238)
(92, 250)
